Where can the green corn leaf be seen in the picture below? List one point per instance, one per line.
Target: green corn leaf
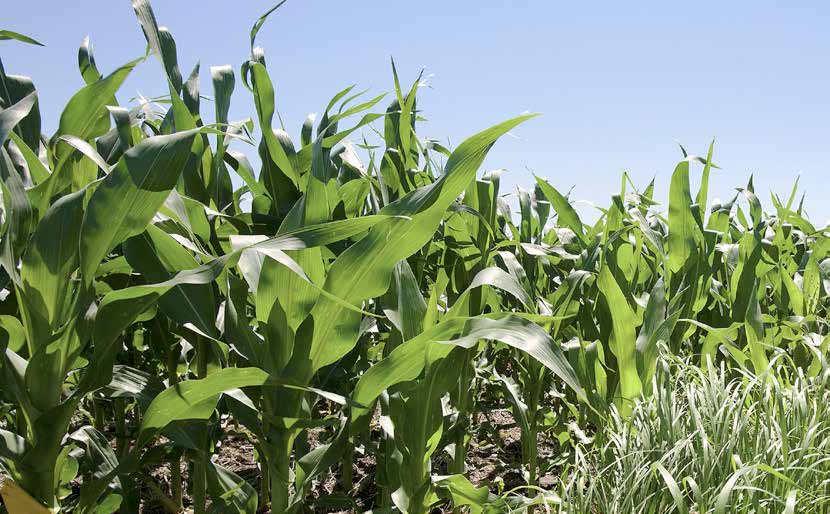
(86, 149)
(264, 98)
(623, 339)
(86, 62)
(408, 360)
(119, 309)
(128, 198)
(363, 271)
(52, 257)
(12, 115)
(6, 35)
(500, 279)
(158, 256)
(682, 226)
(564, 210)
(230, 492)
(14, 89)
(85, 115)
(261, 21)
(196, 399)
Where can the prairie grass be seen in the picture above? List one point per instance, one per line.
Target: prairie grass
(711, 441)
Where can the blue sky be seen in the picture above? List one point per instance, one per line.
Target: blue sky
(618, 83)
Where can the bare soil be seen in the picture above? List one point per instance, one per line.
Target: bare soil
(493, 459)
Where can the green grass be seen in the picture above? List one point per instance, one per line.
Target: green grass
(708, 441)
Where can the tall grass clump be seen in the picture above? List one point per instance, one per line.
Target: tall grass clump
(710, 440)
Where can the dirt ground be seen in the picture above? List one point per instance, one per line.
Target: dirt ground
(493, 460)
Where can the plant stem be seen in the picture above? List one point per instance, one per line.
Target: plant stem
(265, 480)
(200, 462)
(279, 444)
(97, 414)
(463, 406)
(199, 484)
(175, 463)
(21, 426)
(121, 441)
(168, 504)
(532, 458)
(346, 475)
(280, 470)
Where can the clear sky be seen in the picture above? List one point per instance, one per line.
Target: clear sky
(619, 83)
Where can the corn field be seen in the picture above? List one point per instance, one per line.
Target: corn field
(376, 325)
